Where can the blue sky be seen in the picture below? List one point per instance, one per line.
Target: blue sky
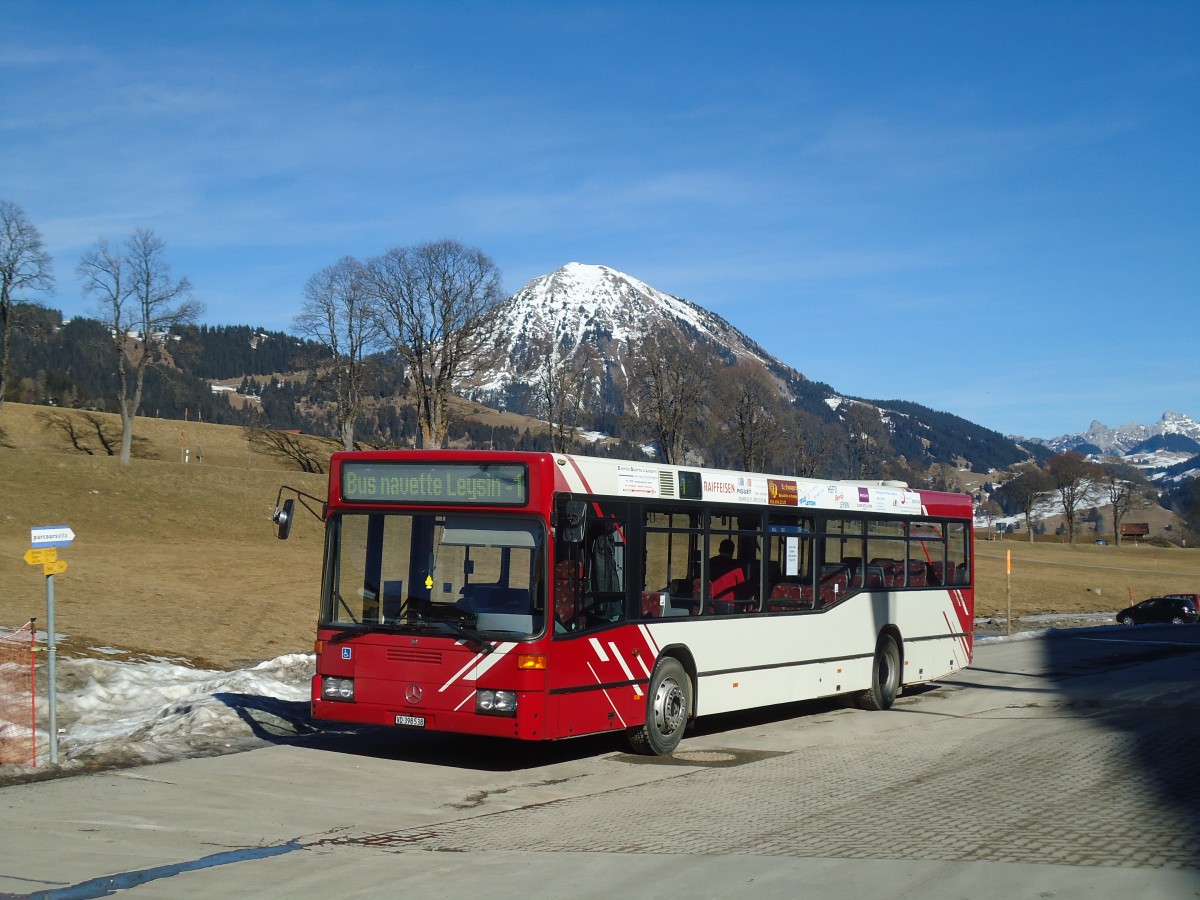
(992, 209)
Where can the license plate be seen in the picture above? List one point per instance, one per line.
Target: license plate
(413, 721)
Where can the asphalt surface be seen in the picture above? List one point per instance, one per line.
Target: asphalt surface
(1061, 765)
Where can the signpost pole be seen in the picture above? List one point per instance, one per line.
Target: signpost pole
(45, 542)
(51, 670)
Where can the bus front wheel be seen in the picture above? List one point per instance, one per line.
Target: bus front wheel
(885, 676)
(668, 705)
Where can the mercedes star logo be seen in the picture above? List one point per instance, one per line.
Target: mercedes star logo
(412, 693)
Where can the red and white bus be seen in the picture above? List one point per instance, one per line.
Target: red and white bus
(542, 596)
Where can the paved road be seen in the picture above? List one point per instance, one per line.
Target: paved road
(1061, 766)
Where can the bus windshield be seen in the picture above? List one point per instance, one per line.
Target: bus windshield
(401, 571)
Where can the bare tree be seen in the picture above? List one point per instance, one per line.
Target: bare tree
(24, 266)
(1072, 477)
(1186, 501)
(940, 478)
(1026, 486)
(339, 315)
(748, 407)
(141, 304)
(563, 381)
(868, 440)
(432, 302)
(1125, 488)
(668, 390)
(989, 511)
(808, 445)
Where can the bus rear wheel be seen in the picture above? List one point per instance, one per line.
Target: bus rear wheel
(885, 676)
(668, 706)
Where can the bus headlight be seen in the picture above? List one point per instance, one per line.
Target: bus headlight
(341, 689)
(496, 703)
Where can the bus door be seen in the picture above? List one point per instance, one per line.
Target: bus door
(589, 569)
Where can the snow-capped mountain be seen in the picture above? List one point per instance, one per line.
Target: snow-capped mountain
(1167, 452)
(611, 313)
(1122, 440)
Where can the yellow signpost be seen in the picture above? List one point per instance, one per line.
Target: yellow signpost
(41, 556)
(46, 540)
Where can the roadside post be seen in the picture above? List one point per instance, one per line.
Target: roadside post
(45, 542)
(1008, 589)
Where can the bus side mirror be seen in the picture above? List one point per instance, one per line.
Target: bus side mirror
(283, 518)
(576, 517)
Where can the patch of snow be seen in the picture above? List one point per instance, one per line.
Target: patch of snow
(114, 712)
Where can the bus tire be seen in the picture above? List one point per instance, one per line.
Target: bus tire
(885, 676)
(668, 707)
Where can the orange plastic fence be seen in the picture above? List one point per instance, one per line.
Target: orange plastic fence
(18, 702)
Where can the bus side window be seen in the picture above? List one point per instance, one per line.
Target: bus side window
(671, 570)
(958, 565)
(842, 571)
(789, 563)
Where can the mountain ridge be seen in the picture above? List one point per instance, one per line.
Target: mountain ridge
(1125, 438)
(623, 305)
(577, 304)
(609, 311)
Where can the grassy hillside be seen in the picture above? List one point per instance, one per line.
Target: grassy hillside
(170, 558)
(178, 559)
(1050, 577)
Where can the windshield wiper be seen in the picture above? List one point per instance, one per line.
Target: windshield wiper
(414, 621)
(366, 628)
(472, 639)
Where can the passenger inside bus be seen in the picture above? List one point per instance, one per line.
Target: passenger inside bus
(723, 562)
(727, 582)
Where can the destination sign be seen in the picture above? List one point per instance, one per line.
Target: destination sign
(51, 536)
(472, 484)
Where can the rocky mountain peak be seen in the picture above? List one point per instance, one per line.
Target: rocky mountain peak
(1120, 440)
(610, 311)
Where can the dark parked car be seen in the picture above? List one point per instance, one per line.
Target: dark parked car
(1177, 609)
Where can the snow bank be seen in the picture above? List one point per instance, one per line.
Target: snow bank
(114, 712)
